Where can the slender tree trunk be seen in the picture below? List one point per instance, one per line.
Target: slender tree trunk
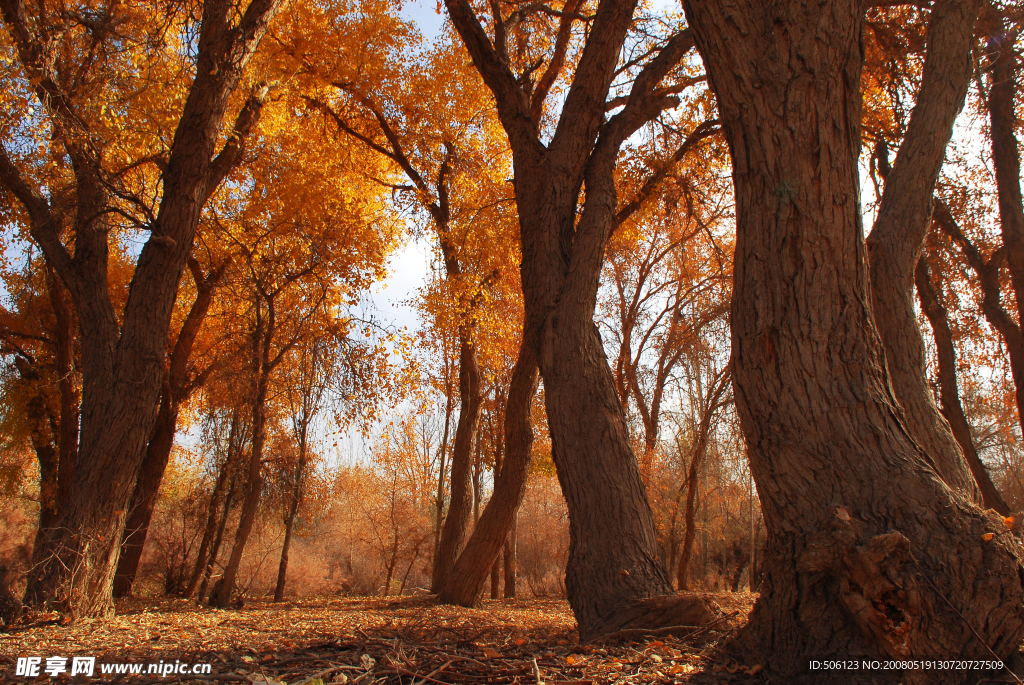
(69, 397)
(293, 509)
(1002, 99)
(509, 559)
(221, 527)
(700, 450)
(496, 578)
(386, 590)
(143, 502)
(212, 532)
(897, 238)
(439, 513)
(949, 391)
(460, 507)
(869, 552)
(56, 466)
(262, 337)
(209, 532)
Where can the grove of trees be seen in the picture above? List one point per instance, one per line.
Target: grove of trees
(720, 296)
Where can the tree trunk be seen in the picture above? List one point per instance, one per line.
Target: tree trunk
(712, 403)
(293, 509)
(158, 453)
(949, 391)
(69, 399)
(466, 582)
(262, 336)
(897, 238)
(1002, 98)
(496, 578)
(509, 558)
(215, 548)
(209, 532)
(439, 513)
(460, 507)
(869, 552)
(176, 389)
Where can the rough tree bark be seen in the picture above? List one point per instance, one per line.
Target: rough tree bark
(897, 238)
(868, 552)
(949, 391)
(122, 356)
(178, 386)
(613, 566)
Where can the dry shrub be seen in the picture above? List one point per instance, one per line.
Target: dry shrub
(543, 537)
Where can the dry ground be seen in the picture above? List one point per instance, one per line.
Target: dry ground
(409, 641)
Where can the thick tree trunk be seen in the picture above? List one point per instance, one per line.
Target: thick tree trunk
(140, 512)
(869, 552)
(897, 238)
(949, 391)
(466, 582)
(460, 507)
(176, 389)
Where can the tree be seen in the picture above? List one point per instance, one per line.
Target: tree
(850, 563)
(305, 397)
(433, 122)
(613, 566)
(69, 83)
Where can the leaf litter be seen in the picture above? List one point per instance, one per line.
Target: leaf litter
(384, 641)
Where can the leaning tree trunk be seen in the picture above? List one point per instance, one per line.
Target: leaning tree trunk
(140, 510)
(869, 552)
(897, 238)
(460, 506)
(211, 561)
(466, 582)
(949, 390)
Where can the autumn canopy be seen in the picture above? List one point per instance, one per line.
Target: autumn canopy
(700, 296)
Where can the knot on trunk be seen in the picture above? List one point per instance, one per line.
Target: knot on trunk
(874, 578)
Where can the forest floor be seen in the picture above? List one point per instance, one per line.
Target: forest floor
(381, 641)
